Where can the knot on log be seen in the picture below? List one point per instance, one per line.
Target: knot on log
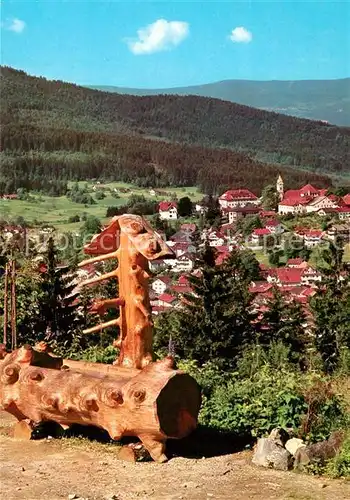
(36, 375)
(113, 397)
(49, 402)
(139, 395)
(10, 374)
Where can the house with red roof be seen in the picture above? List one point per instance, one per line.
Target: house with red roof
(324, 212)
(310, 276)
(259, 235)
(313, 237)
(283, 276)
(232, 214)
(166, 300)
(160, 284)
(320, 202)
(346, 200)
(237, 198)
(344, 213)
(183, 263)
(167, 210)
(215, 238)
(297, 262)
(274, 226)
(304, 200)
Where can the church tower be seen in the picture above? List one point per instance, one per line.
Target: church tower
(280, 187)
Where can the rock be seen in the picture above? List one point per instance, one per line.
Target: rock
(72, 496)
(279, 435)
(269, 453)
(319, 452)
(134, 452)
(292, 445)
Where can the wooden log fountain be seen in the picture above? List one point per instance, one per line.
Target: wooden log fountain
(132, 397)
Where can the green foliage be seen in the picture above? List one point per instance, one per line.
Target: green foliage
(97, 354)
(283, 321)
(247, 225)
(267, 392)
(255, 405)
(339, 466)
(270, 197)
(184, 206)
(58, 314)
(71, 132)
(218, 310)
(331, 310)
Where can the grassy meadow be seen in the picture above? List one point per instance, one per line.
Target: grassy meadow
(56, 211)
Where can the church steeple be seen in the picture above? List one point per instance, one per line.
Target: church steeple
(280, 187)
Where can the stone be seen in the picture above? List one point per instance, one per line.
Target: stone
(292, 445)
(319, 452)
(270, 454)
(72, 496)
(279, 435)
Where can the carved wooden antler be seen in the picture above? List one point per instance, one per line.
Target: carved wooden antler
(133, 242)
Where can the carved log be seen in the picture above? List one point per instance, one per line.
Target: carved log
(154, 404)
(131, 240)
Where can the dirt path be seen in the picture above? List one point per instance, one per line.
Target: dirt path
(53, 469)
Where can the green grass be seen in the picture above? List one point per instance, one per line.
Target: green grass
(57, 210)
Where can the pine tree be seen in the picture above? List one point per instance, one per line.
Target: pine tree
(284, 321)
(215, 322)
(331, 309)
(58, 312)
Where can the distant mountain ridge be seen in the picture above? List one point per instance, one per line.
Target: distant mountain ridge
(327, 100)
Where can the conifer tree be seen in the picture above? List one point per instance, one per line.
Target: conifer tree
(331, 309)
(215, 322)
(58, 312)
(284, 321)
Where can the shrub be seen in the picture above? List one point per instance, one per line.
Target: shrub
(100, 195)
(253, 402)
(339, 466)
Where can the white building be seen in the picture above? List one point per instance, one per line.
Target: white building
(237, 198)
(168, 210)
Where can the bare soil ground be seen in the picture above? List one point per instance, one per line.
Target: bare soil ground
(52, 469)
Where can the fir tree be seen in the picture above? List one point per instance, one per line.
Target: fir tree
(284, 321)
(331, 309)
(58, 312)
(215, 322)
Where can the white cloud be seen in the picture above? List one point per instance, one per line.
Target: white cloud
(15, 25)
(241, 35)
(158, 36)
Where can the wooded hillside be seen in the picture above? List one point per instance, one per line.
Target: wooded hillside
(56, 130)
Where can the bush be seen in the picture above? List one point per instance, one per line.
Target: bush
(339, 466)
(254, 406)
(250, 403)
(100, 195)
(74, 218)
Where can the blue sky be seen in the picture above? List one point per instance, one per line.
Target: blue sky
(176, 43)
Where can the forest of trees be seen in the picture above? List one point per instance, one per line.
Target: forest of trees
(53, 131)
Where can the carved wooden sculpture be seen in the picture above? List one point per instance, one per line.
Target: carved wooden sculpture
(133, 397)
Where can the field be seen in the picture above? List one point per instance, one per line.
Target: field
(57, 210)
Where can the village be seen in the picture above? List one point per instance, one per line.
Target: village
(296, 279)
(243, 224)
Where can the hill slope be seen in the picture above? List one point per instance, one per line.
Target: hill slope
(315, 99)
(63, 131)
